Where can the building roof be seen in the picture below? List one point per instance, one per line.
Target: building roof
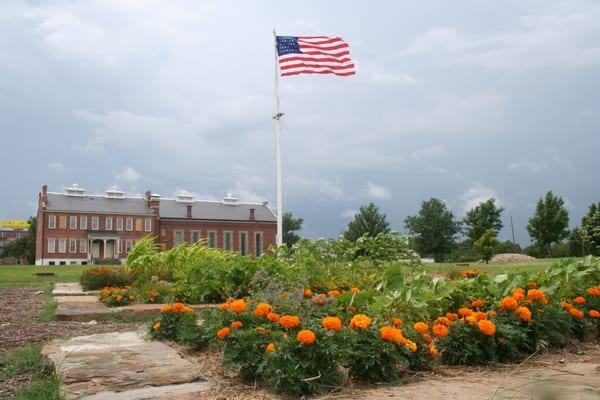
(169, 208)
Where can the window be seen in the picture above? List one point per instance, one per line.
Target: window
(148, 225)
(178, 237)
(72, 246)
(227, 240)
(83, 222)
(73, 222)
(195, 236)
(108, 223)
(62, 222)
(119, 224)
(51, 245)
(129, 224)
(212, 239)
(258, 244)
(243, 243)
(83, 245)
(119, 246)
(52, 221)
(62, 245)
(95, 223)
(128, 244)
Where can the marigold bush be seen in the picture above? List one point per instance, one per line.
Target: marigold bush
(101, 277)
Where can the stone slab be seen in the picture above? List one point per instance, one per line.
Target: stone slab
(71, 289)
(104, 366)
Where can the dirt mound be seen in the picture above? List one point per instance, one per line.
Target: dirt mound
(511, 257)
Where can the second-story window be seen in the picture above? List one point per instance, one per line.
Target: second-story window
(227, 240)
(129, 224)
(119, 223)
(258, 244)
(52, 221)
(83, 222)
(109, 226)
(243, 243)
(148, 225)
(212, 239)
(73, 222)
(95, 223)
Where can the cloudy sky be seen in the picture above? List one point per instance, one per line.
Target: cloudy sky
(461, 100)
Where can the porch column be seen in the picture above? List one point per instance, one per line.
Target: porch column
(104, 249)
(89, 250)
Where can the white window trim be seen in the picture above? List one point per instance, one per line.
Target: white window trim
(106, 221)
(62, 245)
(119, 223)
(230, 233)
(72, 221)
(97, 224)
(74, 249)
(128, 226)
(240, 241)
(262, 243)
(198, 233)
(119, 247)
(175, 232)
(51, 221)
(83, 244)
(51, 249)
(148, 224)
(128, 245)
(83, 220)
(208, 233)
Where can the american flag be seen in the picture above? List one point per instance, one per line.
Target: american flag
(314, 55)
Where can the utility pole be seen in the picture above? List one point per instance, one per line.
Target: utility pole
(512, 228)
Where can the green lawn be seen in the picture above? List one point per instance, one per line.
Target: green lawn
(25, 275)
(497, 268)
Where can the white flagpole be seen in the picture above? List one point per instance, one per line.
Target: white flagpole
(277, 118)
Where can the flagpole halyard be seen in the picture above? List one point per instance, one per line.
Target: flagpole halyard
(277, 117)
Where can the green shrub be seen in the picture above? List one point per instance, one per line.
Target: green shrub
(117, 296)
(101, 277)
(465, 345)
(176, 322)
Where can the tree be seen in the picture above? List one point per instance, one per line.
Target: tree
(433, 229)
(486, 215)
(487, 244)
(585, 239)
(290, 226)
(549, 223)
(368, 221)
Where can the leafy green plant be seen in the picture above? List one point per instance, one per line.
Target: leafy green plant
(101, 277)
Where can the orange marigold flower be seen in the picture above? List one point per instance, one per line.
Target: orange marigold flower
(487, 327)
(576, 313)
(443, 321)
(595, 314)
(396, 322)
(480, 315)
(524, 313)
(289, 321)
(452, 316)
(360, 321)
(567, 306)
(156, 326)
(237, 324)
(518, 294)
(307, 292)
(332, 323)
(351, 309)
(238, 306)
(271, 347)
(187, 309)
(262, 309)
(273, 317)
(477, 303)
(439, 330)
(427, 338)
(166, 308)
(593, 291)
(465, 312)
(509, 303)
(389, 333)
(579, 300)
(119, 298)
(535, 294)
(355, 290)
(432, 350)
(334, 293)
(471, 319)
(421, 327)
(306, 336)
(178, 307)
(223, 333)
(532, 284)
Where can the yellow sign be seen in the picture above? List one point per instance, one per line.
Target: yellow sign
(14, 224)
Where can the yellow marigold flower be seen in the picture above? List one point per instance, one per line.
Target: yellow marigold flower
(156, 326)
(452, 316)
(443, 321)
(477, 303)
(509, 303)
(273, 317)
(396, 322)
(579, 300)
(355, 290)
(487, 327)
(421, 327)
(535, 294)
(471, 319)
(332, 323)
(238, 306)
(307, 292)
(237, 324)
(360, 321)
(271, 347)
(480, 315)
(178, 307)
(412, 346)
(593, 291)
(289, 321)
(306, 336)
(576, 313)
(439, 330)
(334, 293)
(465, 312)
(432, 350)
(532, 284)
(223, 333)
(524, 313)
(224, 307)
(595, 314)
(262, 309)
(518, 294)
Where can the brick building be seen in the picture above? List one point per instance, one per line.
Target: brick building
(78, 228)
(7, 235)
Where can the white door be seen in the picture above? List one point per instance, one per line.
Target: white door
(109, 251)
(95, 249)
